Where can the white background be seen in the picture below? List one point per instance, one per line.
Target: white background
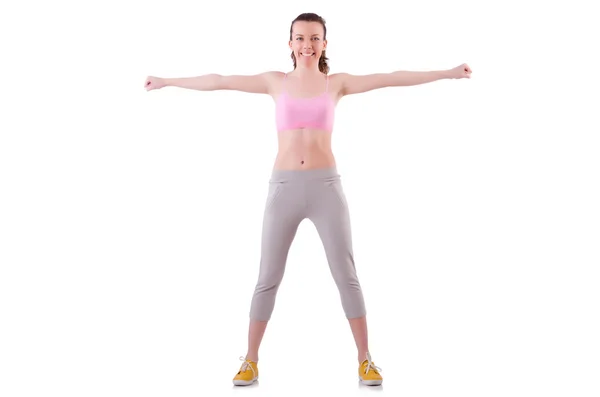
(130, 220)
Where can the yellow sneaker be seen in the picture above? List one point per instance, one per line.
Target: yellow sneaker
(368, 373)
(248, 373)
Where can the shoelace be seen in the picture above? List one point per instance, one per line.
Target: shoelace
(370, 365)
(246, 364)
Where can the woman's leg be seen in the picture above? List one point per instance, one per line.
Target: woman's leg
(358, 326)
(282, 216)
(330, 215)
(256, 330)
(329, 212)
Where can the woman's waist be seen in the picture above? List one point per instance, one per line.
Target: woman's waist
(309, 158)
(304, 150)
(324, 172)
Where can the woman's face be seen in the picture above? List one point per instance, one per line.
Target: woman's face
(307, 41)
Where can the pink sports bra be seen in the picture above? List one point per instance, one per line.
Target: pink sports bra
(314, 112)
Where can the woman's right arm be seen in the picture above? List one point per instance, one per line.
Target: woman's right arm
(256, 84)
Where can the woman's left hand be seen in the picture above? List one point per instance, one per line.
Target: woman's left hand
(461, 72)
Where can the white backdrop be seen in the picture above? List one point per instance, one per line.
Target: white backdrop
(130, 220)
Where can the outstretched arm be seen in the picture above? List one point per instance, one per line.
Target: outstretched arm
(256, 84)
(353, 84)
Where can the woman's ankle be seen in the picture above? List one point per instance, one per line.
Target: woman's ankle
(252, 357)
(362, 356)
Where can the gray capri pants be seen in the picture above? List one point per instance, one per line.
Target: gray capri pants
(295, 195)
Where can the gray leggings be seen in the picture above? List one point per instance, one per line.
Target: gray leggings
(293, 196)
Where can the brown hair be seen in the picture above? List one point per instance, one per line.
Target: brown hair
(310, 17)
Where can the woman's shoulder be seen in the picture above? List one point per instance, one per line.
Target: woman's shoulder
(273, 77)
(338, 76)
(274, 74)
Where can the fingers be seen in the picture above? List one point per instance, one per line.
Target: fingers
(466, 71)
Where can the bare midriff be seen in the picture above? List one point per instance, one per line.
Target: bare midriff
(304, 149)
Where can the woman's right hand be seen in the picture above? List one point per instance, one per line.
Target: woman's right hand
(154, 83)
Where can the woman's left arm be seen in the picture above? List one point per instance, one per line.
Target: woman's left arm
(353, 84)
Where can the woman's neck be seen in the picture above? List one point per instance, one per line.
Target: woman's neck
(307, 72)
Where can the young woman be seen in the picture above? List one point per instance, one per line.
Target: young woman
(304, 182)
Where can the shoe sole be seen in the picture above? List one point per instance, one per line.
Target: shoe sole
(370, 382)
(244, 382)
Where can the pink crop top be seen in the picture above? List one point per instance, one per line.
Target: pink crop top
(314, 112)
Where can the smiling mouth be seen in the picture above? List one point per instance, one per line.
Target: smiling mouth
(312, 54)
